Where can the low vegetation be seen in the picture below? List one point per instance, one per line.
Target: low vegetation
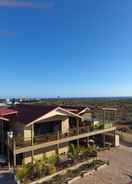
(50, 165)
(80, 171)
(41, 167)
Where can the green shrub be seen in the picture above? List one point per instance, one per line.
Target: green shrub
(23, 172)
(83, 149)
(97, 126)
(73, 152)
(39, 167)
(52, 160)
(91, 148)
(51, 169)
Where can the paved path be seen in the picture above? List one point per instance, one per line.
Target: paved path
(126, 146)
(119, 171)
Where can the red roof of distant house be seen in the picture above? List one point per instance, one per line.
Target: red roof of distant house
(6, 111)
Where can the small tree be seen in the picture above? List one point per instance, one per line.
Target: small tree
(23, 172)
(73, 152)
(52, 160)
(83, 149)
(51, 168)
(91, 148)
(39, 167)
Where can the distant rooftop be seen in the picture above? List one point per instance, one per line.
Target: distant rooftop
(6, 111)
(109, 109)
(3, 105)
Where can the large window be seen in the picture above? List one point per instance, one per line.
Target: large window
(72, 122)
(46, 128)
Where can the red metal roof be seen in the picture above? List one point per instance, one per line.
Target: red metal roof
(29, 112)
(6, 111)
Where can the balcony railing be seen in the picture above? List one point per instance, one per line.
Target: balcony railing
(22, 142)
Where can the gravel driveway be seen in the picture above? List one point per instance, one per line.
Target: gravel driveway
(119, 171)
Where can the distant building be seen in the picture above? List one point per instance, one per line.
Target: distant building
(3, 100)
(3, 105)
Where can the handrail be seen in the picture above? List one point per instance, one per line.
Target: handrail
(23, 142)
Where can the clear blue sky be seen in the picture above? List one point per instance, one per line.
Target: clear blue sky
(66, 48)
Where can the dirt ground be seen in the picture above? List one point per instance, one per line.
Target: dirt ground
(119, 171)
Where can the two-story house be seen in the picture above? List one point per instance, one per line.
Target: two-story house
(39, 130)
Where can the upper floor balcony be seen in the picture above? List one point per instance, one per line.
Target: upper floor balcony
(57, 137)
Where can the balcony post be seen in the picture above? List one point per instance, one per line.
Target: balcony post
(32, 140)
(114, 138)
(103, 140)
(78, 133)
(115, 116)
(58, 137)
(2, 135)
(14, 153)
(77, 126)
(32, 134)
(104, 117)
(8, 151)
(87, 141)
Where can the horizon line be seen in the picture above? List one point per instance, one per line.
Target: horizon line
(63, 97)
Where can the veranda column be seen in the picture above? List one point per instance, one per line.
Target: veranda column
(114, 138)
(2, 135)
(78, 132)
(32, 140)
(103, 140)
(58, 137)
(104, 118)
(14, 153)
(87, 141)
(8, 151)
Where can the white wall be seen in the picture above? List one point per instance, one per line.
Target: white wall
(65, 125)
(117, 140)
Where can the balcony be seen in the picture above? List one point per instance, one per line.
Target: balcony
(108, 125)
(57, 136)
(21, 142)
(101, 125)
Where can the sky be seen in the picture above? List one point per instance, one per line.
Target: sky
(66, 48)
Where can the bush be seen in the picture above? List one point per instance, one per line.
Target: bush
(45, 166)
(51, 169)
(83, 149)
(23, 172)
(73, 152)
(39, 168)
(52, 160)
(91, 148)
(97, 126)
